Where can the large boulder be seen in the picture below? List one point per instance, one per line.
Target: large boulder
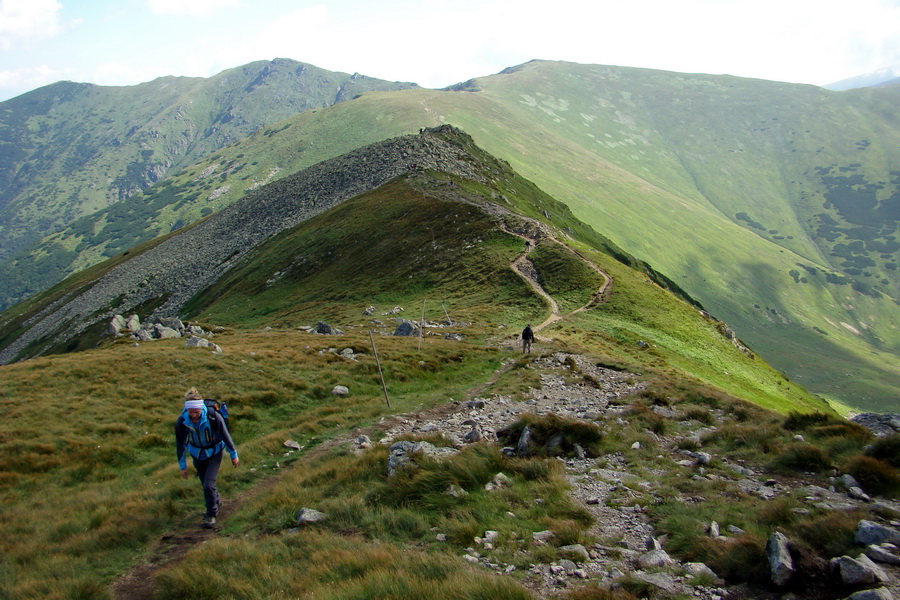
(401, 454)
(116, 325)
(323, 328)
(162, 332)
(869, 532)
(407, 329)
(133, 323)
(781, 565)
(858, 571)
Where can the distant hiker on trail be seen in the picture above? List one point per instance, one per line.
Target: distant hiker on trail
(202, 432)
(527, 338)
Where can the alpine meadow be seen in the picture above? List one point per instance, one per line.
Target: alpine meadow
(708, 264)
(774, 205)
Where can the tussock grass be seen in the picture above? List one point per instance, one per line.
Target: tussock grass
(372, 516)
(88, 427)
(887, 449)
(599, 593)
(830, 533)
(802, 457)
(324, 566)
(874, 475)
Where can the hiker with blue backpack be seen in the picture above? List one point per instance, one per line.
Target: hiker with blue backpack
(202, 432)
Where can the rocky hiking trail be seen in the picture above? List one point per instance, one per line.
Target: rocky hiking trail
(627, 546)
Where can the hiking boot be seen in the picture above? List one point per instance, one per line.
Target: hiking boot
(208, 523)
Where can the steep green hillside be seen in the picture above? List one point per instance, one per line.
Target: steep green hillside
(453, 254)
(772, 204)
(95, 427)
(71, 149)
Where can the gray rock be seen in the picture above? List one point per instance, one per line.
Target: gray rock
(526, 445)
(133, 323)
(703, 458)
(848, 481)
(407, 329)
(162, 332)
(499, 480)
(310, 515)
(696, 569)
(116, 325)
(340, 390)
(543, 536)
(663, 581)
(197, 342)
(578, 550)
(876, 594)
(869, 532)
(884, 553)
(472, 436)
(858, 571)
(858, 494)
(142, 335)
(401, 453)
(655, 559)
(567, 565)
(781, 565)
(456, 491)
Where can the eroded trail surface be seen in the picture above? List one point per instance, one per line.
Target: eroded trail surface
(524, 267)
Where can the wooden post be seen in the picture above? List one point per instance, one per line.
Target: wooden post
(380, 374)
(422, 325)
(449, 320)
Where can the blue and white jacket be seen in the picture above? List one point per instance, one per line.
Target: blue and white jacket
(206, 438)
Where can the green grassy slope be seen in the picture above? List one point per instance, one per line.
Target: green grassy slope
(89, 426)
(725, 185)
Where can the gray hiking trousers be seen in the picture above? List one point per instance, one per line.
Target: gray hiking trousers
(208, 472)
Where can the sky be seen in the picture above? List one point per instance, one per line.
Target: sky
(437, 43)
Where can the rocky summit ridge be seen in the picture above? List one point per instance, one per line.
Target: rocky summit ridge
(182, 265)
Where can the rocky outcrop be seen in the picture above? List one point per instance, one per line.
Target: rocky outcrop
(158, 328)
(181, 266)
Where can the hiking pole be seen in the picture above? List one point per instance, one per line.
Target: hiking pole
(422, 325)
(380, 374)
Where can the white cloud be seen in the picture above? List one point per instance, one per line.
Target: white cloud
(25, 20)
(21, 80)
(196, 8)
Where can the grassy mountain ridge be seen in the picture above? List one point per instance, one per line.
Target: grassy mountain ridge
(96, 426)
(737, 189)
(71, 149)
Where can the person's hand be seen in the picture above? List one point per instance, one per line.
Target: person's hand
(235, 461)
(184, 474)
